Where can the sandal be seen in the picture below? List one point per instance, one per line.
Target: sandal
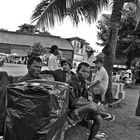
(109, 117)
(101, 136)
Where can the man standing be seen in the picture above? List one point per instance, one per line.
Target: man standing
(34, 66)
(61, 75)
(53, 60)
(79, 105)
(100, 80)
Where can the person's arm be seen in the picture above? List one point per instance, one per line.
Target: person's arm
(97, 80)
(48, 75)
(72, 95)
(94, 83)
(72, 98)
(81, 101)
(73, 101)
(46, 72)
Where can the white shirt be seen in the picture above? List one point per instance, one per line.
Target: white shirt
(53, 62)
(102, 76)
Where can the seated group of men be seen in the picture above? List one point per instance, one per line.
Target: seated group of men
(79, 102)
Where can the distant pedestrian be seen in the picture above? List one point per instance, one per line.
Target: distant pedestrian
(53, 59)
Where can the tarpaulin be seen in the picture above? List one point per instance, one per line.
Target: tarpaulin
(4, 81)
(36, 110)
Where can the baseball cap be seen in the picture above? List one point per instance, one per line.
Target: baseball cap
(66, 60)
(98, 59)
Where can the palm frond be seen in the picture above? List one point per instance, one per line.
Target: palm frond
(86, 10)
(39, 9)
(54, 11)
(48, 12)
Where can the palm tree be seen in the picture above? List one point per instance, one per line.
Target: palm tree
(48, 12)
(110, 48)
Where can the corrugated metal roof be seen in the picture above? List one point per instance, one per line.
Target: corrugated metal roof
(29, 40)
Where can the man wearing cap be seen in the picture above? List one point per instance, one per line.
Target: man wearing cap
(100, 80)
(61, 75)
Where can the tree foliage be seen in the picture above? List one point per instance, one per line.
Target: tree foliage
(26, 28)
(1, 29)
(103, 29)
(128, 35)
(38, 49)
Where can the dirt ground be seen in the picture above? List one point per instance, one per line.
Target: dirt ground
(126, 125)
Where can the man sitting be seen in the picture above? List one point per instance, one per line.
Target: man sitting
(61, 75)
(34, 66)
(79, 104)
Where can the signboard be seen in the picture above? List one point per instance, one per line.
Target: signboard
(78, 57)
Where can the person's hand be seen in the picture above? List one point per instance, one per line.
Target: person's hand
(81, 101)
(90, 85)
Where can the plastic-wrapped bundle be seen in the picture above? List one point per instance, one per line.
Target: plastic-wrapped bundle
(4, 81)
(36, 110)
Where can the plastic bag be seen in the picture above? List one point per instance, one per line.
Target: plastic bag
(36, 110)
(4, 81)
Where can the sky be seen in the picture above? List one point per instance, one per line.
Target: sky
(14, 13)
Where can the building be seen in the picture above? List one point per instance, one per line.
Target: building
(81, 50)
(20, 43)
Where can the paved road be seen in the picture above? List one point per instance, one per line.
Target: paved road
(16, 69)
(127, 125)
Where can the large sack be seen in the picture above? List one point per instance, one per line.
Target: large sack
(4, 81)
(36, 110)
